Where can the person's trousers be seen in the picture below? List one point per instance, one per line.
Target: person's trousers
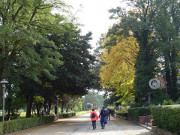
(94, 124)
(102, 124)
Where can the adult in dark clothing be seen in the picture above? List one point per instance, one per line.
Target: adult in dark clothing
(108, 114)
(103, 118)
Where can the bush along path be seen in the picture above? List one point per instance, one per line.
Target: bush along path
(81, 125)
(165, 117)
(26, 123)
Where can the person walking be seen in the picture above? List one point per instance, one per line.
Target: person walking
(103, 118)
(107, 114)
(94, 117)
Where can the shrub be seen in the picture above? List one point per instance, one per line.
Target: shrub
(178, 101)
(20, 124)
(60, 116)
(167, 117)
(1, 128)
(73, 114)
(67, 115)
(134, 113)
(123, 109)
(24, 123)
(168, 102)
(122, 114)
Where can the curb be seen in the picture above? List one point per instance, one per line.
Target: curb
(135, 122)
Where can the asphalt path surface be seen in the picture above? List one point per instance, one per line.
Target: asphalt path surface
(82, 126)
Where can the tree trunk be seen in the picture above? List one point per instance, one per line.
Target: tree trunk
(174, 91)
(46, 106)
(62, 107)
(38, 109)
(67, 108)
(55, 110)
(9, 108)
(29, 105)
(168, 79)
(174, 74)
(49, 107)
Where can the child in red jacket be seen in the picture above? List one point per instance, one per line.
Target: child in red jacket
(94, 117)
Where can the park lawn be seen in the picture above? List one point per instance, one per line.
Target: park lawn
(82, 112)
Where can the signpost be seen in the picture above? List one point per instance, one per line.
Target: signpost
(153, 84)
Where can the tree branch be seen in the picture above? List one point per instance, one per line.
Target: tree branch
(34, 13)
(14, 16)
(3, 17)
(45, 6)
(13, 2)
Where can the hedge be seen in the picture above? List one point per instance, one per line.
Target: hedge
(20, 124)
(167, 117)
(122, 114)
(67, 115)
(1, 128)
(134, 113)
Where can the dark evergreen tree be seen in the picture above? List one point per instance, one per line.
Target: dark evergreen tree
(74, 77)
(167, 26)
(155, 24)
(140, 24)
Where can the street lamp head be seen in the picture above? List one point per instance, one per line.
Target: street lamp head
(3, 82)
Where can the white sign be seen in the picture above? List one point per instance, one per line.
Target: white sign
(154, 83)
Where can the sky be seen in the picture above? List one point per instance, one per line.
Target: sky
(94, 15)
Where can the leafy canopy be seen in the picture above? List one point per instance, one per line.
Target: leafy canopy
(118, 72)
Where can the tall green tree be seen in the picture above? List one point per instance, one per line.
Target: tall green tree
(167, 27)
(97, 64)
(138, 21)
(74, 77)
(26, 54)
(155, 25)
(23, 24)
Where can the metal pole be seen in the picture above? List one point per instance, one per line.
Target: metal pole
(3, 86)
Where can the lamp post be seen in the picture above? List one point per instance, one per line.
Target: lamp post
(3, 82)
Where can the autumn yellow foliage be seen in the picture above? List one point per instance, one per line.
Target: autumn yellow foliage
(118, 73)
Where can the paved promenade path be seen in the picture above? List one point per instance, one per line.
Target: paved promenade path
(82, 126)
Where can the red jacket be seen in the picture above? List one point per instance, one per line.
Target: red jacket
(96, 116)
